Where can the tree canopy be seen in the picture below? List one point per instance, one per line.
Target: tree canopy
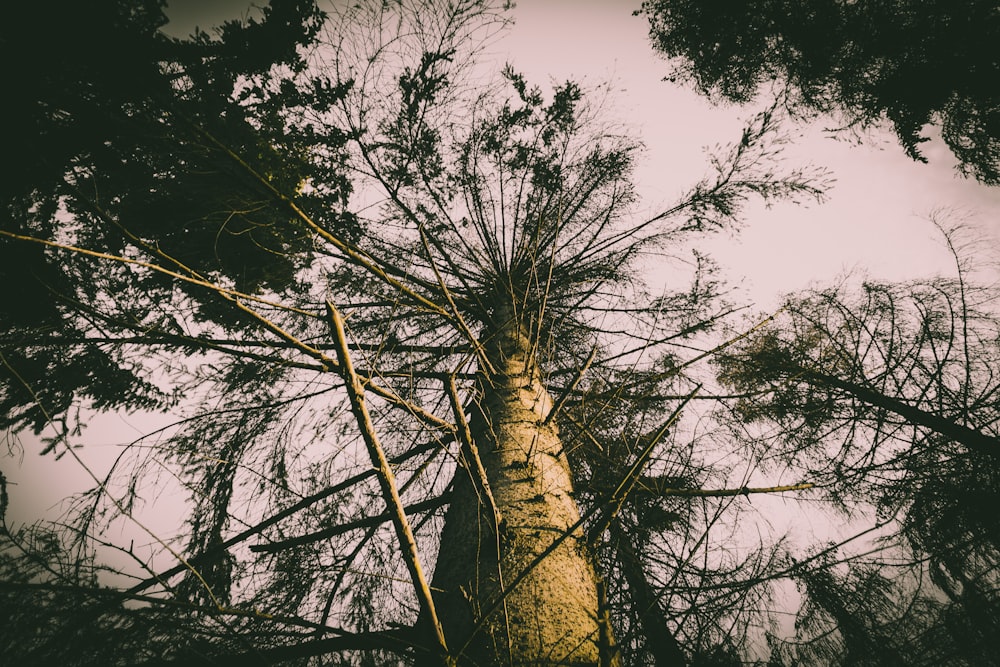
(429, 404)
(906, 62)
(886, 393)
(117, 122)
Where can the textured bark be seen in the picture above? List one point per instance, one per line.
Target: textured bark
(551, 616)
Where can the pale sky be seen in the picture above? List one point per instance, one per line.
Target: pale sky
(875, 217)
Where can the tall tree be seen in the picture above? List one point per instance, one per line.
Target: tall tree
(907, 62)
(884, 374)
(887, 395)
(885, 610)
(377, 282)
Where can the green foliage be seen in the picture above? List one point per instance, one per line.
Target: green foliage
(123, 146)
(909, 62)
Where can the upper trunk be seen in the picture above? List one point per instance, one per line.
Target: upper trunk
(550, 614)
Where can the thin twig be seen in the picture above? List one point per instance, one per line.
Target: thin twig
(367, 522)
(624, 487)
(564, 396)
(355, 255)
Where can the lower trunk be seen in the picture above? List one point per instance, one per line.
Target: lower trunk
(550, 612)
(660, 641)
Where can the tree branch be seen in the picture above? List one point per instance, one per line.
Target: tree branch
(387, 481)
(423, 506)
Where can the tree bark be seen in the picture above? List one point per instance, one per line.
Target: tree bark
(550, 616)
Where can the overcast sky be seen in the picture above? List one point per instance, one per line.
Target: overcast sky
(875, 217)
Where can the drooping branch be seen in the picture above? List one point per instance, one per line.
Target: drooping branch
(423, 506)
(308, 501)
(969, 437)
(741, 491)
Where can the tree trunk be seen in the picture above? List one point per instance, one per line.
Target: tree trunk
(550, 616)
(972, 439)
(660, 641)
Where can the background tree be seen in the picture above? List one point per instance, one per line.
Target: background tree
(909, 63)
(886, 394)
(112, 121)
